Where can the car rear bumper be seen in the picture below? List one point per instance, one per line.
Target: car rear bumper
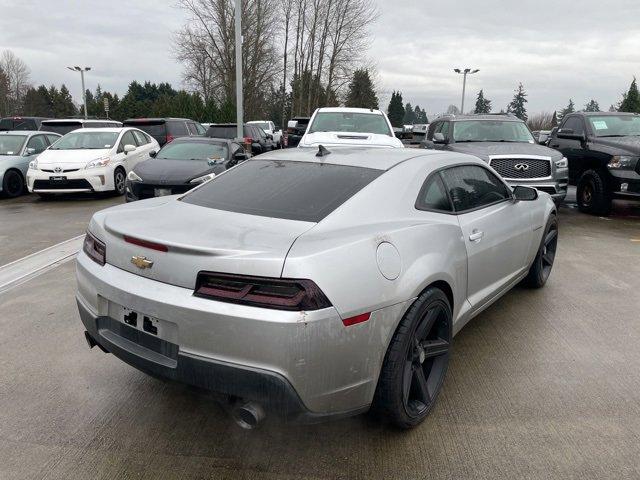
(309, 362)
(140, 191)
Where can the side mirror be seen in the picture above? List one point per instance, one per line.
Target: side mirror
(240, 157)
(29, 151)
(153, 154)
(570, 134)
(129, 148)
(439, 138)
(525, 194)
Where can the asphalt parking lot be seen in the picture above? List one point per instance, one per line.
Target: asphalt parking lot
(544, 384)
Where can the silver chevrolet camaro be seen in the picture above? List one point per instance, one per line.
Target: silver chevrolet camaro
(313, 283)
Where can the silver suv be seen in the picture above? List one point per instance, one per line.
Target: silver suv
(506, 143)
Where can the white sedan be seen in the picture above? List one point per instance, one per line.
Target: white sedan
(90, 160)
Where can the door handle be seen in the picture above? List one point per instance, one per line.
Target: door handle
(476, 236)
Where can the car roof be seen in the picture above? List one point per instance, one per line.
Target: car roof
(23, 133)
(498, 116)
(349, 110)
(200, 140)
(156, 119)
(364, 157)
(603, 114)
(79, 120)
(103, 129)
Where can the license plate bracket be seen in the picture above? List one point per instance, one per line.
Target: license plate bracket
(58, 178)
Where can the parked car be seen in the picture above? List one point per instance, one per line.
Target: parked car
(295, 130)
(604, 157)
(89, 160)
(504, 142)
(21, 123)
(419, 133)
(17, 149)
(66, 125)
(313, 283)
(361, 127)
(541, 136)
(163, 130)
(269, 128)
(181, 165)
(260, 141)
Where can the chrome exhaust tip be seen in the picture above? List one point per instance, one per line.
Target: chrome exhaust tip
(247, 415)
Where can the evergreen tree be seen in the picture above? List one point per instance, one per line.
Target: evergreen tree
(554, 120)
(592, 106)
(570, 108)
(396, 111)
(517, 105)
(409, 115)
(483, 105)
(420, 115)
(631, 99)
(37, 103)
(361, 93)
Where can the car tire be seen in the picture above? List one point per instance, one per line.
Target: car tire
(12, 184)
(593, 193)
(119, 181)
(543, 263)
(416, 362)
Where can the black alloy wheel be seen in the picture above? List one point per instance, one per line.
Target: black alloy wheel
(12, 184)
(416, 361)
(543, 263)
(119, 181)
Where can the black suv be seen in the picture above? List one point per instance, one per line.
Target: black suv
(260, 141)
(603, 150)
(506, 143)
(166, 129)
(296, 128)
(21, 123)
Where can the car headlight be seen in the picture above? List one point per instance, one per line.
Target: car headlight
(622, 161)
(562, 163)
(204, 178)
(99, 162)
(33, 164)
(133, 177)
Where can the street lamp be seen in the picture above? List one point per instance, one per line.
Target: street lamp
(238, 35)
(465, 72)
(84, 92)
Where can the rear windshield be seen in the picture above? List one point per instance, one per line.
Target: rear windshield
(193, 151)
(155, 129)
(60, 127)
(216, 131)
(301, 191)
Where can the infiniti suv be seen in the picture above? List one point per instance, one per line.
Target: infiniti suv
(506, 143)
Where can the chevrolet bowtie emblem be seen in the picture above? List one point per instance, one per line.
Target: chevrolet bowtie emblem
(141, 262)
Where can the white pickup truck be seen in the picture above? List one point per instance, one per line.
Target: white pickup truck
(269, 127)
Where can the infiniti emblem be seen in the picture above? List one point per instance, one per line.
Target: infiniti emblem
(57, 169)
(522, 167)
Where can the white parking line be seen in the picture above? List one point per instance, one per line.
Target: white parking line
(17, 272)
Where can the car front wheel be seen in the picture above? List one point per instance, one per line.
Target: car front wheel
(593, 193)
(119, 181)
(416, 361)
(12, 184)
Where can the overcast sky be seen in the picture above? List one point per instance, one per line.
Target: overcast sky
(557, 49)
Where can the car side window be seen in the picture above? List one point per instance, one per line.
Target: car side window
(472, 186)
(433, 195)
(52, 139)
(127, 139)
(200, 129)
(575, 124)
(444, 129)
(141, 138)
(38, 143)
(192, 128)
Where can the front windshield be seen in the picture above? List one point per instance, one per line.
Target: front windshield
(350, 122)
(86, 141)
(615, 125)
(11, 144)
(193, 151)
(491, 131)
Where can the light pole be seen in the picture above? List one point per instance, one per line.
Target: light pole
(84, 92)
(239, 106)
(465, 72)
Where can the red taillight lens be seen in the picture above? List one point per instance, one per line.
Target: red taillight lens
(170, 138)
(276, 293)
(248, 140)
(95, 249)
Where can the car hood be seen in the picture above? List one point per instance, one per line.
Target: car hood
(198, 239)
(629, 144)
(350, 138)
(485, 150)
(161, 171)
(70, 158)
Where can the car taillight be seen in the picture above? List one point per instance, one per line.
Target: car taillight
(170, 138)
(276, 293)
(248, 140)
(95, 249)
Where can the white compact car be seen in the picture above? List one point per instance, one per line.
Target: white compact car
(355, 127)
(90, 160)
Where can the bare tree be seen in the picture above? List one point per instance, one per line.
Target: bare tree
(541, 121)
(16, 73)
